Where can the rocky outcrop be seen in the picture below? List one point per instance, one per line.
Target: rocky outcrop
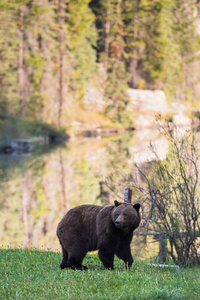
(146, 100)
(180, 125)
(156, 150)
(147, 104)
(144, 106)
(144, 121)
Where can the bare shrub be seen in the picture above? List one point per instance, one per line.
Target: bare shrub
(170, 191)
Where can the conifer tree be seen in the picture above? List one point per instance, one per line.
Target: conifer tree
(186, 14)
(62, 5)
(8, 62)
(111, 54)
(82, 46)
(116, 84)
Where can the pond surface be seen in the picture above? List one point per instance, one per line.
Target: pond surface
(37, 190)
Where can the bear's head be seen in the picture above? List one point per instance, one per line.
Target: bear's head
(126, 216)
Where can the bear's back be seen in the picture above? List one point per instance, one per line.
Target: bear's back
(80, 221)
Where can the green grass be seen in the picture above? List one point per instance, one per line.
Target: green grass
(32, 274)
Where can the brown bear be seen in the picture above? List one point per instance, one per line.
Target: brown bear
(106, 228)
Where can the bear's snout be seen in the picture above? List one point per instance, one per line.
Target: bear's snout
(117, 223)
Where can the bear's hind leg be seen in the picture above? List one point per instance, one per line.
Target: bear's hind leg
(75, 261)
(64, 263)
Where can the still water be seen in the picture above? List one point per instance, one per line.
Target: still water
(37, 189)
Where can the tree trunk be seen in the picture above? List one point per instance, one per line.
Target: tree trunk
(133, 67)
(21, 75)
(107, 34)
(61, 41)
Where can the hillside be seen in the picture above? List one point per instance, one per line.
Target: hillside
(73, 61)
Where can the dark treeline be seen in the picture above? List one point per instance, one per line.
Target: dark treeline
(52, 50)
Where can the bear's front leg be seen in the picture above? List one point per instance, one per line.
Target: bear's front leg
(125, 255)
(123, 251)
(107, 258)
(129, 262)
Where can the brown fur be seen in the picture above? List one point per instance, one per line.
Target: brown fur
(106, 228)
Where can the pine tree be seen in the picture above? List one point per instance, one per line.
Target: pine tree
(19, 56)
(9, 99)
(111, 55)
(134, 18)
(62, 5)
(160, 44)
(82, 46)
(187, 39)
(116, 84)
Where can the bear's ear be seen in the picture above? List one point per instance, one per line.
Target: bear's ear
(116, 203)
(137, 206)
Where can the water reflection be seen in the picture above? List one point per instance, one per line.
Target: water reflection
(37, 190)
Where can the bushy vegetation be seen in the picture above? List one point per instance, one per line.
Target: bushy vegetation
(31, 274)
(169, 191)
(171, 195)
(18, 127)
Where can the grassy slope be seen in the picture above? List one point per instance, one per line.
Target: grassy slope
(31, 274)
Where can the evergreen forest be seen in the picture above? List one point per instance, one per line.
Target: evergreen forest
(51, 51)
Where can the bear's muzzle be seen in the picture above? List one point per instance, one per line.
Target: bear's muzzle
(117, 224)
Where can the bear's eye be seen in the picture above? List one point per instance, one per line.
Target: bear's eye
(125, 215)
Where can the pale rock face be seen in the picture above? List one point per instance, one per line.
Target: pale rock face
(156, 150)
(145, 121)
(181, 120)
(143, 100)
(180, 125)
(177, 107)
